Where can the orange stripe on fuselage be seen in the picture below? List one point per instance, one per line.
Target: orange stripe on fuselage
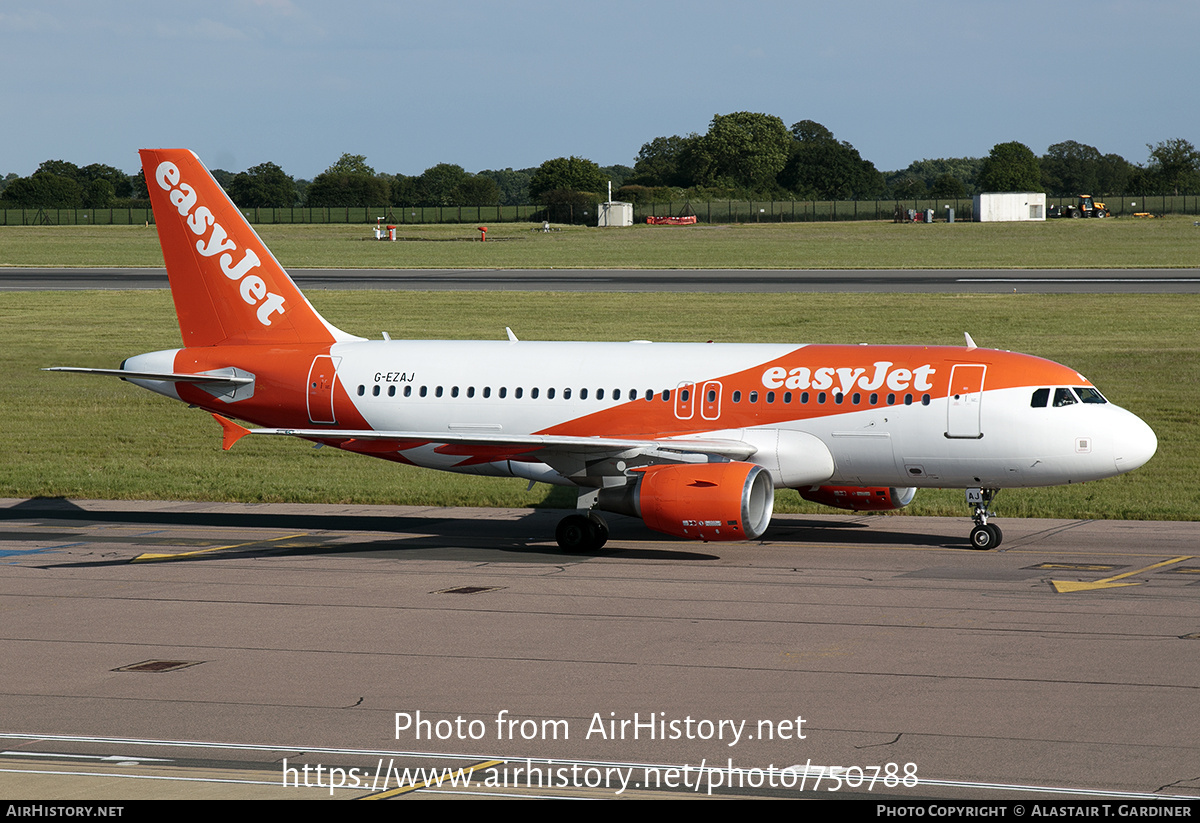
(916, 370)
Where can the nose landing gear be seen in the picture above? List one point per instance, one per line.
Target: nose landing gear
(985, 535)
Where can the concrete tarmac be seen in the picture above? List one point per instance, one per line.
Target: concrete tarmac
(316, 634)
(1075, 281)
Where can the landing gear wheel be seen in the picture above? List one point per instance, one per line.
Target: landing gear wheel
(997, 535)
(983, 538)
(577, 533)
(601, 530)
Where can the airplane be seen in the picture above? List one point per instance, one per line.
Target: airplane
(692, 438)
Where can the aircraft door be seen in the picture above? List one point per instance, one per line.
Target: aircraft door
(320, 389)
(964, 401)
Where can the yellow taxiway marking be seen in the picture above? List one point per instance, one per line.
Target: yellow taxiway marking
(464, 772)
(155, 558)
(1064, 586)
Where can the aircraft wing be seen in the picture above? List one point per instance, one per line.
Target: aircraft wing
(666, 446)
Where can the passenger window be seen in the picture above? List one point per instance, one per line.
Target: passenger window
(787, 397)
(533, 393)
(804, 398)
(503, 392)
(408, 391)
(753, 397)
(908, 399)
(375, 390)
(856, 398)
(616, 394)
(583, 394)
(891, 399)
(424, 390)
(600, 394)
(737, 397)
(362, 390)
(566, 394)
(470, 391)
(925, 400)
(454, 391)
(549, 394)
(437, 392)
(519, 391)
(770, 397)
(487, 392)
(1040, 398)
(874, 398)
(391, 391)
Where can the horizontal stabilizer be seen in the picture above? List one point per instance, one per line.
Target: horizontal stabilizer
(163, 376)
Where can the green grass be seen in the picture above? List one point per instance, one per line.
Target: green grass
(88, 437)
(1171, 242)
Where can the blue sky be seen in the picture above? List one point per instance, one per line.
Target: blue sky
(497, 84)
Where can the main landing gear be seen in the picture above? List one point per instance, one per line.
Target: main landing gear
(985, 535)
(581, 533)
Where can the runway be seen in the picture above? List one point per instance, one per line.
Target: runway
(1041, 281)
(312, 632)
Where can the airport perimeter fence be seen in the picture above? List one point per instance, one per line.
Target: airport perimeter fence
(709, 211)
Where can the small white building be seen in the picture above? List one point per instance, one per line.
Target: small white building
(614, 213)
(1010, 206)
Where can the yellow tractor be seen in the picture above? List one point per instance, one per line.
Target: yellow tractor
(1086, 207)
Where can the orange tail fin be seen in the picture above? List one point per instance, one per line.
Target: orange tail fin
(227, 286)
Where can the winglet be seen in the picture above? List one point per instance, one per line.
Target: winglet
(231, 432)
(970, 342)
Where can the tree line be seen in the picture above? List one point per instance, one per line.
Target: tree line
(742, 156)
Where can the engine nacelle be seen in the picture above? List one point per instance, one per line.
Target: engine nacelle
(860, 498)
(702, 501)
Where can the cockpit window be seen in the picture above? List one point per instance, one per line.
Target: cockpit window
(1089, 395)
(1064, 397)
(1040, 398)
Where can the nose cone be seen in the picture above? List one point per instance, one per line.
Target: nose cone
(1134, 444)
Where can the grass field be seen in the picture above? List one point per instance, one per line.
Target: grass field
(1172, 242)
(75, 436)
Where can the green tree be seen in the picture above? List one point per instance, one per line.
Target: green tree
(1071, 168)
(349, 182)
(351, 164)
(566, 174)
(823, 168)
(45, 190)
(947, 186)
(908, 187)
(964, 169)
(263, 186)
(120, 181)
(1010, 167)
(98, 194)
(476, 190)
(743, 149)
(60, 167)
(1176, 165)
(437, 184)
(514, 185)
(661, 162)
